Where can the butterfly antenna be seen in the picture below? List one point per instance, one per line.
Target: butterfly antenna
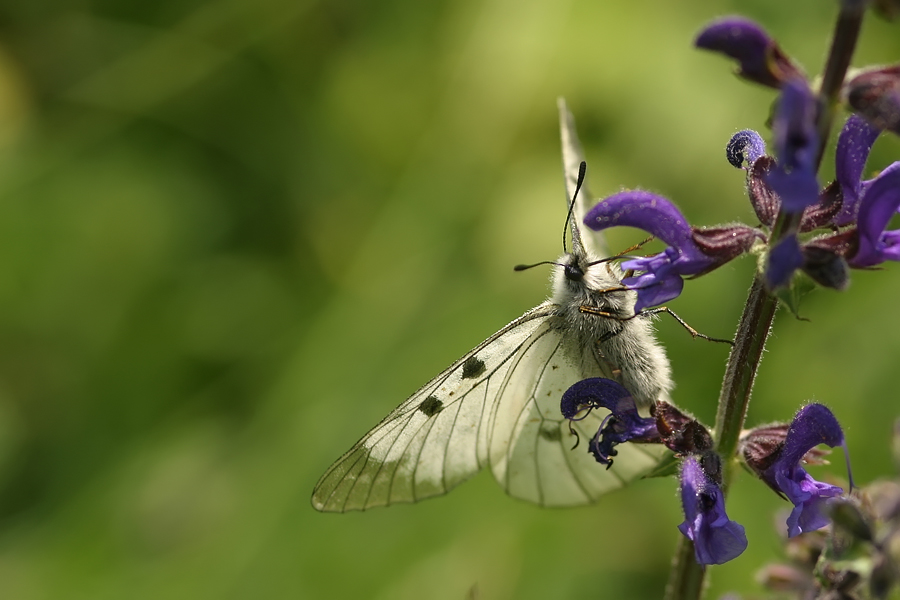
(624, 253)
(576, 238)
(543, 262)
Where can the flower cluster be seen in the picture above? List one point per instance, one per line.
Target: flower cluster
(858, 556)
(774, 453)
(852, 212)
(820, 231)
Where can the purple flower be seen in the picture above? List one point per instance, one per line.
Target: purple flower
(758, 55)
(813, 425)
(784, 258)
(853, 147)
(691, 251)
(745, 145)
(717, 539)
(869, 204)
(878, 204)
(623, 424)
(796, 143)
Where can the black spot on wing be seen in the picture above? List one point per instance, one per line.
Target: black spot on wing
(473, 367)
(431, 406)
(550, 431)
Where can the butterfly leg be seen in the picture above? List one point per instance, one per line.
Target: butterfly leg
(691, 330)
(654, 311)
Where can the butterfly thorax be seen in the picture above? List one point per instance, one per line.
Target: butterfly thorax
(608, 326)
(577, 282)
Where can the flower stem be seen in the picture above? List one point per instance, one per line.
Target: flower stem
(686, 578)
(740, 371)
(843, 44)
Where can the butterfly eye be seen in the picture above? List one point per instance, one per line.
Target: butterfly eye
(573, 272)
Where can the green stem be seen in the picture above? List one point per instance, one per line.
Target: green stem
(686, 580)
(843, 44)
(743, 362)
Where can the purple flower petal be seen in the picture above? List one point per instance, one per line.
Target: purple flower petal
(758, 55)
(784, 258)
(879, 203)
(796, 144)
(654, 214)
(653, 289)
(717, 539)
(854, 144)
(622, 425)
(745, 145)
(813, 425)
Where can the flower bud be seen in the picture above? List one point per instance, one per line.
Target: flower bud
(758, 55)
(875, 94)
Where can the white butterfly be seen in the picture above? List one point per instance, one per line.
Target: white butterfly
(499, 405)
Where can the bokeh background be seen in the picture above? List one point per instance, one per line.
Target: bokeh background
(235, 233)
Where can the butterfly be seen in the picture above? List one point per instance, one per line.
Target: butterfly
(499, 405)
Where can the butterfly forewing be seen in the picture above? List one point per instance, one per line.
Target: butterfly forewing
(435, 440)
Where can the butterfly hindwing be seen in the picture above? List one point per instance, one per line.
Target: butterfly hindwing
(531, 445)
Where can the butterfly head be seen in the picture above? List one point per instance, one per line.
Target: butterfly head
(572, 271)
(581, 280)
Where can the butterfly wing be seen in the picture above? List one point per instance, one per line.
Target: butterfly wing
(435, 440)
(531, 446)
(499, 404)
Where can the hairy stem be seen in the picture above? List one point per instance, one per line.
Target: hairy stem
(743, 362)
(843, 44)
(686, 578)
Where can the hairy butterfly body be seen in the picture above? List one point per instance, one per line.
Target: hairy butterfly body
(499, 404)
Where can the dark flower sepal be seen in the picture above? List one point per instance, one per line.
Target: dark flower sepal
(759, 57)
(875, 94)
(825, 266)
(680, 432)
(823, 213)
(717, 539)
(725, 242)
(764, 200)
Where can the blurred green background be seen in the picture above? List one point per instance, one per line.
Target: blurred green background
(236, 233)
